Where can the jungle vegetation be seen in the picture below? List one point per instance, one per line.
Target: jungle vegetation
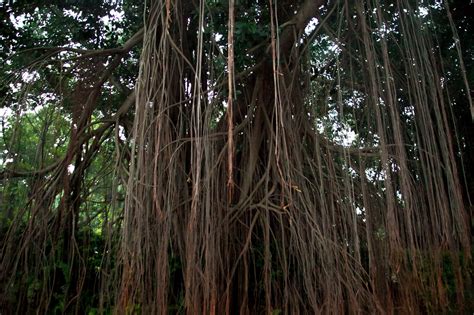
(236, 156)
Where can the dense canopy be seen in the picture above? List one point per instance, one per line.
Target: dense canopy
(235, 156)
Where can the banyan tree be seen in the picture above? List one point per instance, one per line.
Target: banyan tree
(267, 157)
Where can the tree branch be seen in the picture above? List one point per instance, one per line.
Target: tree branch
(296, 25)
(89, 53)
(7, 173)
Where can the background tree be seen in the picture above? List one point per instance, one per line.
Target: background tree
(236, 156)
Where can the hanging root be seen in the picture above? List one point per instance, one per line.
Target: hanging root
(306, 230)
(262, 207)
